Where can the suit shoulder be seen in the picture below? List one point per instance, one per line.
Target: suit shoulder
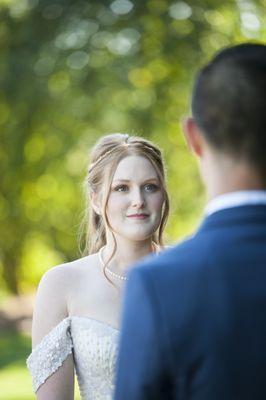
(189, 257)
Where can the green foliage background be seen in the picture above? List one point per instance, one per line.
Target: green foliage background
(72, 71)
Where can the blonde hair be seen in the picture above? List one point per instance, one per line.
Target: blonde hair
(105, 157)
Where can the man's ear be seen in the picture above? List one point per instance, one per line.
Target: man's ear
(95, 202)
(193, 136)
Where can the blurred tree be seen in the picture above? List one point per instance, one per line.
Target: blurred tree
(73, 71)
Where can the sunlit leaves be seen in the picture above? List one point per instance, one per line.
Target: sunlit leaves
(73, 71)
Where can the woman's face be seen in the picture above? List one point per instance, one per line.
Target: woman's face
(134, 206)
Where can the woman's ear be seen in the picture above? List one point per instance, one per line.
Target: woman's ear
(95, 202)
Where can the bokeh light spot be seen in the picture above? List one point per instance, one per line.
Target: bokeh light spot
(46, 186)
(37, 257)
(101, 39)
(76, 34)
(121, 7)
(140, 77)
(250, 21)
(58, 82)
(34, 148)
(44, 66)
(180, 10)
(78, 60)
(143, 99)
(76, 162)
(20, 8)
(99, 58)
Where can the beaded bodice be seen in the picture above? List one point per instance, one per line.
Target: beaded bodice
(94, 348)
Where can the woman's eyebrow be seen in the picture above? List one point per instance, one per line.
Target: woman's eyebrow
(128, 180)
(154, 179)
(121, 180)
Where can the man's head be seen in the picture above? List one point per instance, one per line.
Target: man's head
(229, 108)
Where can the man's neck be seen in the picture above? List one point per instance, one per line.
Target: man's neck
(229, 178)
(219, 190)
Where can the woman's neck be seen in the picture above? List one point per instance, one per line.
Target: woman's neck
(127, 253)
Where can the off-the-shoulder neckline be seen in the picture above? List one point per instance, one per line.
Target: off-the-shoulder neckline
(67, 320)
(93, 320)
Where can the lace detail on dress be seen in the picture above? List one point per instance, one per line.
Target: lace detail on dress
(94, 350)
(50, 353)
(95, 354)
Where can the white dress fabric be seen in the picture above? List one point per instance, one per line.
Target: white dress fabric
(94, 346)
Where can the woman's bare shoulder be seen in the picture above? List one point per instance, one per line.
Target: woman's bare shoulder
(55, 287)
(64, 273)
(83, 263)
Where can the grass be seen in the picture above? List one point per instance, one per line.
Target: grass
(15, 380)
(15, 384)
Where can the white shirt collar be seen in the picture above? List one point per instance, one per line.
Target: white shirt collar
(235, 199)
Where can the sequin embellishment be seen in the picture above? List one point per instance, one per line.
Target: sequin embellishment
(94, 345)
(50, 353)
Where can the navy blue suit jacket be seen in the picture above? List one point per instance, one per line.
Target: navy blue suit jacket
(194, 320)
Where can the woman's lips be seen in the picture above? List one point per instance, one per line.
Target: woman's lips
(138, 216)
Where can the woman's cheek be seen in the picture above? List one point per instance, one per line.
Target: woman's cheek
(157, 201)
(115, 202)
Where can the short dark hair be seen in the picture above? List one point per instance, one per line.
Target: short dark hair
(229, 102)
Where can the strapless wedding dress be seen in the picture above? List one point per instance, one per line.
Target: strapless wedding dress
(94, 346)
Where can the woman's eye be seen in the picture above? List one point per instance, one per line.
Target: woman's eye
(151, 187)
(121, 188)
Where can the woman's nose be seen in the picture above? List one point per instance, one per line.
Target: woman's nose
(138, 199)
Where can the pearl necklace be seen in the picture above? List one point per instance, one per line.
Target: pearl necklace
(115, 275)
(123, 278)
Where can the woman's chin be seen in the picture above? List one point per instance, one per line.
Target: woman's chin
(139, 235)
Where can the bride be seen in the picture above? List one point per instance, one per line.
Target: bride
(77, 310)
